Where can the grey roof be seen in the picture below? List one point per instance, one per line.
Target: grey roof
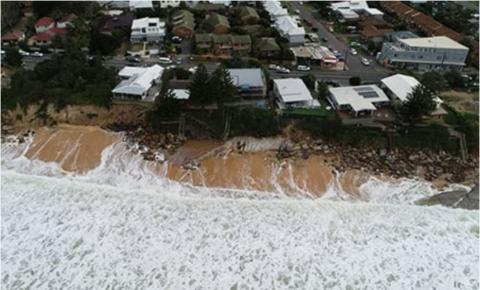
(247, 77)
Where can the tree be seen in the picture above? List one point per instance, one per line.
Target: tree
(309, 80)
(454, 79)
(419, 102)
(355, 81)
(13, 57)
(199, 87)
(221, 85)
(434, 81)
(322, 90)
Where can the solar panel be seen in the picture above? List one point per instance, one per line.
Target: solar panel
(366, 92)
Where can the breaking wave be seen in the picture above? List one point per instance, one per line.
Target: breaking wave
(123, 226)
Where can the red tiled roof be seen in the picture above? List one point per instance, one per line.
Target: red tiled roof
(44, 21)
(12, 36)
(428, 24)
(49, 34)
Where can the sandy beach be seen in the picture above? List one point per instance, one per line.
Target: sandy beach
(79, 149)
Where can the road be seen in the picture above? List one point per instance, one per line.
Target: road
(354, 63)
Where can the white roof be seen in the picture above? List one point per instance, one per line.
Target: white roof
(145, 21)
(433, 42)
(181, 94)
(288, 26)
(292, 90)
(135, 4)
(400, 85)
(247, 77)
(348, 9)
(359, 97)
(139, 79)
(274, 8)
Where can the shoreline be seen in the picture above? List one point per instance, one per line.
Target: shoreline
(268, 164)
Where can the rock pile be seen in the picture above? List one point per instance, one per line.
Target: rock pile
(152, 145)
(409, 163)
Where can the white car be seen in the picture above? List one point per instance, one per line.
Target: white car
(282, 70)
(192, 69)
(3, 51)
(365, 61)
(165, 60)
(353, 51)
(303, 68)
(23, 52)
(36, 53)
(171, 66)
(273, 67)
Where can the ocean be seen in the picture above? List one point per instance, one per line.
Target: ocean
(122, 226)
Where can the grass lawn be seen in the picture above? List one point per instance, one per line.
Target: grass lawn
(321, 112)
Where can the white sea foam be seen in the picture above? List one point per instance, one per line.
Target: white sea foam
(120, 226)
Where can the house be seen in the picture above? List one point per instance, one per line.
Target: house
(169, 3)
(203, 42)
(352, 10)
(147, 29)
(241, 44)
(12, 37)
(47, 37)
(218, 23)
(267, 47)
(250, 82)
(140, 4)
(249, 15)
(138, 83)
(357, 101)
(66, 21)
(424, 53)
(222, 43)
(288, 28)
(424, 23)
(275, 9)
(184, 24)
(399, 87)
(313, 53)
(293, 93)
(110, 23)
(374, 29)
(43, 24)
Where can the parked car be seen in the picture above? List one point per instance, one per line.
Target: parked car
(330, 28)
(3, 52)
(176, 39)
(297, 11)
(171, 66)
(303, 68)
(23, 52)
(324, 39)
(179, 60)
(192, 69)
(365, 61)
(37, 53)
(353, 51)
(354, 43)
(333, 83)
(273, 67)
(134, 59)
(165, 60)
(282, 70)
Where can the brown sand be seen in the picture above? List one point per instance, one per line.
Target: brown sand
(75, 148)
(79, 149)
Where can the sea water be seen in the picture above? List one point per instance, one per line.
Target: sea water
(121, 226)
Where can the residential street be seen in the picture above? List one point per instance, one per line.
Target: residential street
(353, 61)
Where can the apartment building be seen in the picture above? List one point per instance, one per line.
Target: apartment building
(147, 29)
(424, 53)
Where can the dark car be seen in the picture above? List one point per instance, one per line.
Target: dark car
(134, 59)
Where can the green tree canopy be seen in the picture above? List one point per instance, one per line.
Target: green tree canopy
(355, 81)
(221, 85)
(454, 79)
(13, 57)
(434, 81)
(420, 102)
(200, 92)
